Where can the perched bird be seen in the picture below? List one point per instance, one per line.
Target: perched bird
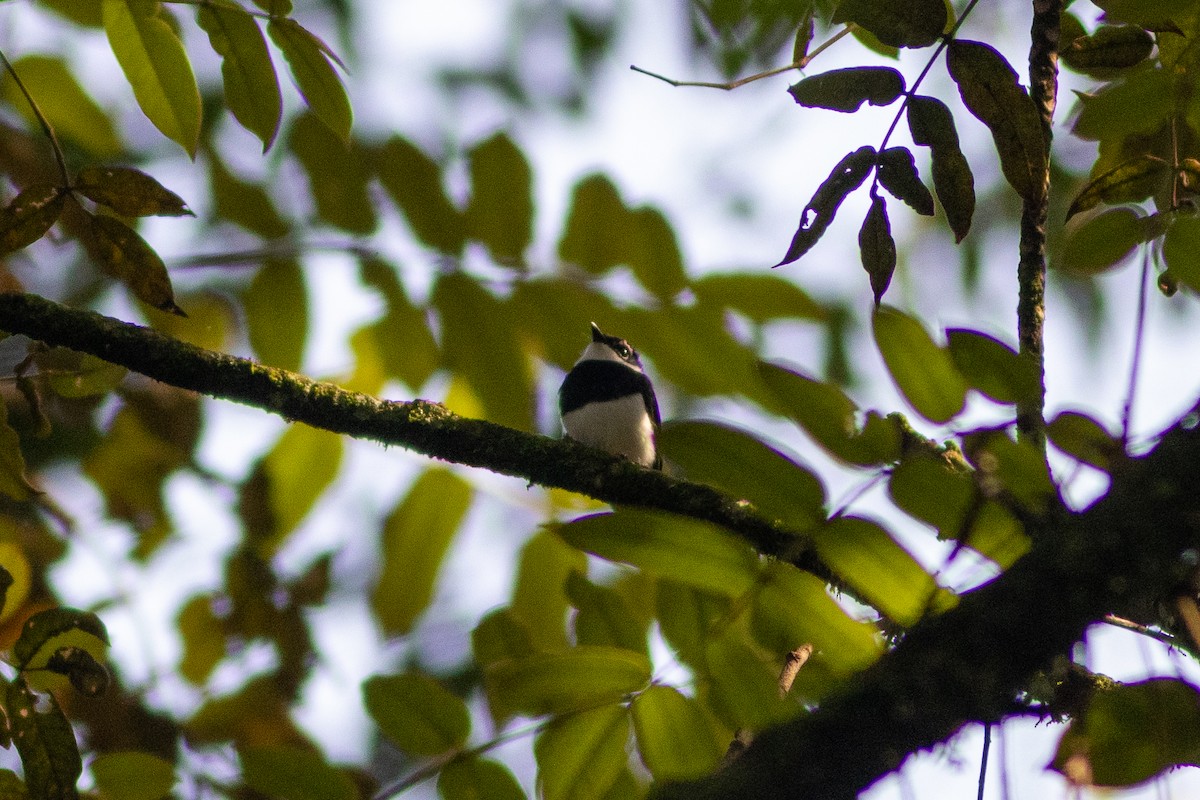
(607, 401)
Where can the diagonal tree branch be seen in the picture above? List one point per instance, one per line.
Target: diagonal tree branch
(419, 425)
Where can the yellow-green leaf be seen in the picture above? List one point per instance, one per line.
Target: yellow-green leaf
(1181, 250)
(500, 211)
(203, 635)
(416, 537)
(300, 467)
(71, 111)
(309, 61)
(244, 203)
(923, 372)
(337, 175)
(692, 552)
(276, 307)
(474, 778)
(129, 192)
(992, 367)
(1128, 182)
(130, 775)
(539, 597)
(1103, 241)
(674, 738)
(414, 182)
(287, 772)
(408, 349)
(29, 215)
(157, 68)
(758, 296)
(126, 256)
(417, 713)
(603, 617)
(91, 376)
(581, 757)
(12, 461)
(251, 85)
(500, 636)
(566, 682)
(1085, 439)
(1110, 48)
(742, 686)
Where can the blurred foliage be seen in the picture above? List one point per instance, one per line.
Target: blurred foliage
(478, 318)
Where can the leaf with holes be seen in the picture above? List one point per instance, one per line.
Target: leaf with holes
(847, 176)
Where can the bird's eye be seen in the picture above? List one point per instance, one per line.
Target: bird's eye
(623, 351)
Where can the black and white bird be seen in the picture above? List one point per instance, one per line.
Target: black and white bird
(607, 401)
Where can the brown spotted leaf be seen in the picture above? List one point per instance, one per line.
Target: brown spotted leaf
(123, 254)
(847, 176)
(30, 214)
(990, 90)
(129, 192)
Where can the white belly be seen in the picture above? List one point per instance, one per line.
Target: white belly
(619, 426)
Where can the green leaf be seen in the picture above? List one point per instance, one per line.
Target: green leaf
(876, 247)
(123, 254)
(300, 467)
(689, 551)
(276, 312)
(746, 468)
(86, 14)
(792, 608)
(1140, 104)
(899, 23)
(922, 371)
(1131, 733)
(473, 778)
(582, 756)
(992, 367)
(1181, 250)
(936, 491)
(596, 211)
(564, 683)
(1085, 439)
(846, 176)
(897, 172)
(499, 636)
(251, 84)
(500, 211)
(309, 61)
(603, 617)
(1103, 241)
(132, 776)
(829, 417)
(414, 182)
(1111, 47)
(91, 376)
(71, 112)
(742, 687)
(688, 618)
(337, 175)
(879, 570)
(416, 537)
(480, 343)
(29, 215)
(45, 742)
(847, 89)
(990, 90)
(674, 738)
(1015, 468)
(654, 253)
(758, 296)
(408, 349)
(203, 635)
(47, 631)
(129, 192)
(539, 598)
(86, 674)
(291, 773)
(931, 124)
(157, 68)
(243, 203)
(1128, 182)
(13, 481)
(417, 713)
(276, 8)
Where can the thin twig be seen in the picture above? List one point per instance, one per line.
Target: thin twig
(41, 118)
(727, 86)
(1139, 328)
(987, 746)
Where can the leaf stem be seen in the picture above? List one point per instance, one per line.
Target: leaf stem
(41, 118)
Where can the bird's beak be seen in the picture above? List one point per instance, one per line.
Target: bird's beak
(597, 336)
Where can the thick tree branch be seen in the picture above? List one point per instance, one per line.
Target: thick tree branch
(1127, 550)
(419, 425)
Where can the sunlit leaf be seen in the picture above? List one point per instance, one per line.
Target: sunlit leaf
(899, 23)
(129, 192)
(71, 112)
(251, 85)
(688, 617)
(603, 617)
(474, 778)
(416, 537)
(417, 713)
(992, 367)
(309, 60)
(1015, 469)
(408, 349)
(923, 371)
(991, 91)
(936, 491)
(539, 599)
(86, 14)
(932, 125)
(29, 215)
(1103, 241)
(132, 775)
(846, 176)
(123, 254)
(300, 467)
(500, 211)
(1130, 181)
(877, 248)
(500, 636)
(674, 738)
(692, 552)
(581, 756)
(157, 67)
(561, 683)
(1131, 733)
(1084, 439)
(92, 376)
(746, 468)
(847, 89)
(294, 773)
